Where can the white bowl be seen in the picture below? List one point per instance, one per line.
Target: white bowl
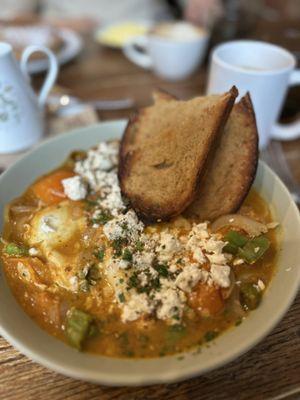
(28, 338)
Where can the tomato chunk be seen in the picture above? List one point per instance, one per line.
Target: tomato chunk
(49, 189)
(206, 300)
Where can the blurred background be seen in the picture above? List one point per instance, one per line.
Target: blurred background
(97, 82)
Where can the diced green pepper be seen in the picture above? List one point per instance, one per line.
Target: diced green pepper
(254, 249)
(78, 327)
(235, 240)
(14, 250)
(229, 248)
(250, 296)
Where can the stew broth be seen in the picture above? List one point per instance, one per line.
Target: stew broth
(40, 283)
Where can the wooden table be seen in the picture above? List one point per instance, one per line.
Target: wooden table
(269, 371)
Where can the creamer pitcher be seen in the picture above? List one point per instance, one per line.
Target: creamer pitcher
(21, 111)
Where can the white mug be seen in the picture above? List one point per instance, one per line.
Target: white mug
(21, 111)
(266, 71)
(169, 58)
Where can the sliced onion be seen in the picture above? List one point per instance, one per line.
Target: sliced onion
(250, 226)
(22, 209)
(226, 292)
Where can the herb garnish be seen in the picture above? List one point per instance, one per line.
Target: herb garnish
(162, 269)
(139, 246)
(100, 254)
(121, 297)
(102, 218)
(127, 255)
(117, 246)
(210, 335)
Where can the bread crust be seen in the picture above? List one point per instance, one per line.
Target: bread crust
(210, 202)
(129, 155)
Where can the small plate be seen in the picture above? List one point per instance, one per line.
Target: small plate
(28, 338)
(72, 46)
(117, 34)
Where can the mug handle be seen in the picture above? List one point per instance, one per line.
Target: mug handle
(51, 73)
(289, 131)
(138, 57)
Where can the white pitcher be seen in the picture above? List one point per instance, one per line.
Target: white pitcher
(21, 111)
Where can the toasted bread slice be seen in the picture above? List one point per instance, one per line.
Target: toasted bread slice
(231, 171)
(164, 151)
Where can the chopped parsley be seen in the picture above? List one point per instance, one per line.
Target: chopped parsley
(117, 245)
(102, 218)
(127, 255)
(124, 226)
(133, 281)
(121, 297)
(90, 204)
(100, 254)
(210, 335)
(162, 270)
(139, 246)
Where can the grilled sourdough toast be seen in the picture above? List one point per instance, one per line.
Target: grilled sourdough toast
(164, 152)
(231, 171)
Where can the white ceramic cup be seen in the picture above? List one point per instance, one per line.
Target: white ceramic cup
(21, 111)
(266, 71)
(170, 58)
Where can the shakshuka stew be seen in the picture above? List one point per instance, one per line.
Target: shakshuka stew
(89, 272)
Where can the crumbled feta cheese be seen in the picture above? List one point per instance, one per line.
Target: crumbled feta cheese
(33, 251)
(170, 302)
(188, 278)
(144, 259)
(261, 285)
(213, 246)
(220, 275)
(219, 259)
(123, 264)
(256, 250)
(173, 268)
(99, 170)
(103, 158)
(135, 307)
(124, 226)
(200, 231)
(238, 261)
(169, 245)
(74, 188)
(143, 279)
(199, 256)
(74, 282)
(48, 224)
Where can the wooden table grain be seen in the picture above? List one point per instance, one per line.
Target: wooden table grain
(269, 371)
